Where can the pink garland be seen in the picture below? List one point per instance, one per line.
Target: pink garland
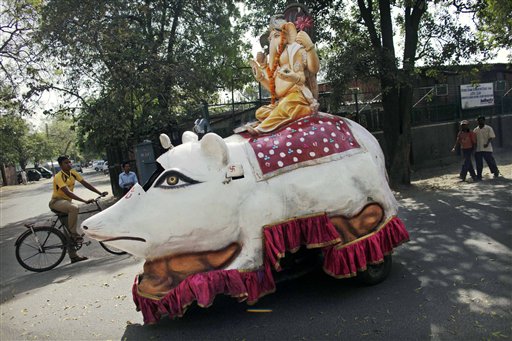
(312, 232)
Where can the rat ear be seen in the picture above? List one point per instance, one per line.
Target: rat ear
(189, 136)
(214, 147)
(165, 141)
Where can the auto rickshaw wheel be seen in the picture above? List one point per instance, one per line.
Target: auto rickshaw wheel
(376, 273)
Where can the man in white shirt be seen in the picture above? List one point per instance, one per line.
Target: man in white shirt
(484, 136)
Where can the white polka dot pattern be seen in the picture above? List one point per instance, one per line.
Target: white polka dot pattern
(307, 139)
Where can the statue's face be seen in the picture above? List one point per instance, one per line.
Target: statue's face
(275, 39)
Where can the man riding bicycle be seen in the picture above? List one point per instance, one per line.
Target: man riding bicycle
(63, 185)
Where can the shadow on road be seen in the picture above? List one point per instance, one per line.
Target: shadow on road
(16, 280)
(460, 250)
(315, 306)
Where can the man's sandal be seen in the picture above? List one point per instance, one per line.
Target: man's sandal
(78, 259)
(77, 238)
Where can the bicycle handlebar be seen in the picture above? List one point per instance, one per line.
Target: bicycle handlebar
(98, 198)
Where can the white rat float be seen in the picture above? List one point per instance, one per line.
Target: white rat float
(222, 213)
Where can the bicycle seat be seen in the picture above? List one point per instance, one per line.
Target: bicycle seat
(59, 213)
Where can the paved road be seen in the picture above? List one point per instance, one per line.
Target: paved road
(453, 281)
(25, 202)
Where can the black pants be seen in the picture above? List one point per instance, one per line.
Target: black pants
(467, 165)
(489, 159)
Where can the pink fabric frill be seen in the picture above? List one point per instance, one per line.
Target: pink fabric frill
(343, 261)
(311, 232)
(203, 287)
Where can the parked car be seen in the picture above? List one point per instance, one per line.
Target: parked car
(45, 173)
(53, 166)
(105, 167)
(98, 165)
(32, 175)
(77, 167)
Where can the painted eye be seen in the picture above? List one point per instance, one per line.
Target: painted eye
(174, 180)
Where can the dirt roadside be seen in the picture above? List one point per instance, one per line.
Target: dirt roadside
(447, 177)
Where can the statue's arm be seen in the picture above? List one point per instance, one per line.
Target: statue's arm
(313, 62)
(295, 76)
(259, 71)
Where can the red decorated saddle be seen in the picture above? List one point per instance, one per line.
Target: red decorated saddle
(311, 140)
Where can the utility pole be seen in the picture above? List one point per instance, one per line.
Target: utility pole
(48, 138)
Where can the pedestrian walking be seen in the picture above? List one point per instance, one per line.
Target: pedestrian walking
(484, 136)
(467, 141)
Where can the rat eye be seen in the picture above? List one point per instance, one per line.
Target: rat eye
(173, 180)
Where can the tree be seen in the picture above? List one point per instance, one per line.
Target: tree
(61, 138)
(42, 148)
(14, 140)
(494, 22)
(139, 67)
(18, 52)
(21, 146)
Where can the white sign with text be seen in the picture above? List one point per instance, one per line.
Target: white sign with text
(476, 95)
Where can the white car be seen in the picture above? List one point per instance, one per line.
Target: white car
(105, 167)
(98, 165)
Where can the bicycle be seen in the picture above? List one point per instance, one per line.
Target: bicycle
(42, 248)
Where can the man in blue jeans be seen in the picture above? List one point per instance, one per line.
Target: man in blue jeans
(484, 136)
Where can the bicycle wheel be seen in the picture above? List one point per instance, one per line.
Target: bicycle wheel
(42, 250)
(112, 250)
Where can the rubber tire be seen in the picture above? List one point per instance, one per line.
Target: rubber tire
(376, 273)
(298, 264)
(112, 250)
(51, 231)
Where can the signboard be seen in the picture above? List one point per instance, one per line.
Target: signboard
(478, 95)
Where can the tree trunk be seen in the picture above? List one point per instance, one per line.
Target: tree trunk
(396, 101)
(399, 169)
(396, 86)
(4, 175)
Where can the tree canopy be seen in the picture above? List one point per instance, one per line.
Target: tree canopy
(21, 144)
(18, 53)
(145, 65)
(494, 21)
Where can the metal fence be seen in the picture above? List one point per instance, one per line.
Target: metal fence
(431, 108)
(432, 104)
